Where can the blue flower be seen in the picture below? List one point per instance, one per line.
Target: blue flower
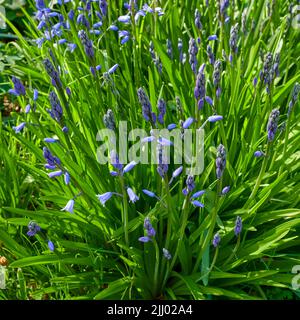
(238, 226)
(69, 206)
(212, 37)
(19, 128)
(144, 239)
(33, 228)
(67, 178)
(132, 196)
(124, 19)
(176, 173)
(56, 111)
(129, 166)
(166, 254)
(104, 197)
(225, 190)
(113, 69)
(35, 94)
(198, 204)
(149, 230)
(215, 118)
(51, 245)
(198, 194)
(216, 240)
(18, 89)
(187, 123)
(55, 174)
(50, 140)
(258, 154)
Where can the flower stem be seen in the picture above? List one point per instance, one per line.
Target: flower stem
(211, 227)
(125, 210)
(260, 176)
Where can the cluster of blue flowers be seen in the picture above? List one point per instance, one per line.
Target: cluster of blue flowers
(53, 25)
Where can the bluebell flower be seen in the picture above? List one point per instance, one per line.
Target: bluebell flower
(124, 35)
(225, 190)
(273, 124)
(114, 160)
(82, 20)
(187, 123)
(162, 167)
(258, 154)
(220, 161)
(161, 106)
(124, 19)
(129, 166)
(210, 54)
(217, 76)
(69, 206)
(169, 49)
(238, 226)
(67, 178)
(200, 90)
(198, 194)
(113, 69)
(19, 128)
(109, 120)
(39, 42)
(72, 47)
(56, 111)
(51, 245)
(254, 82)
(146, 105)
(180, 47)
(103, 7)
(149, 228)
(54, 174)
(87, 43)
(209, 100)
(139, 14)
(19, 89)
(35, 94)
(215, 118)
(33, 228)
(193, 50)
(71, 14)
(198, 23)
(216, 240)
(190, 185)
(234, 38)
(68, 91)
(267, 74)
(167, 254)
(65, 129)
(212, 37)
(27, 108)
(294, 98)
(51, 160)
(132, 196)
(50, 140)
(104, 197)
(144, 239)
(176, 173)
(171, 126)
(197, 203)
(40, 4)
(113, 28)
(62, 41)
(150, 194)
(52, 72)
